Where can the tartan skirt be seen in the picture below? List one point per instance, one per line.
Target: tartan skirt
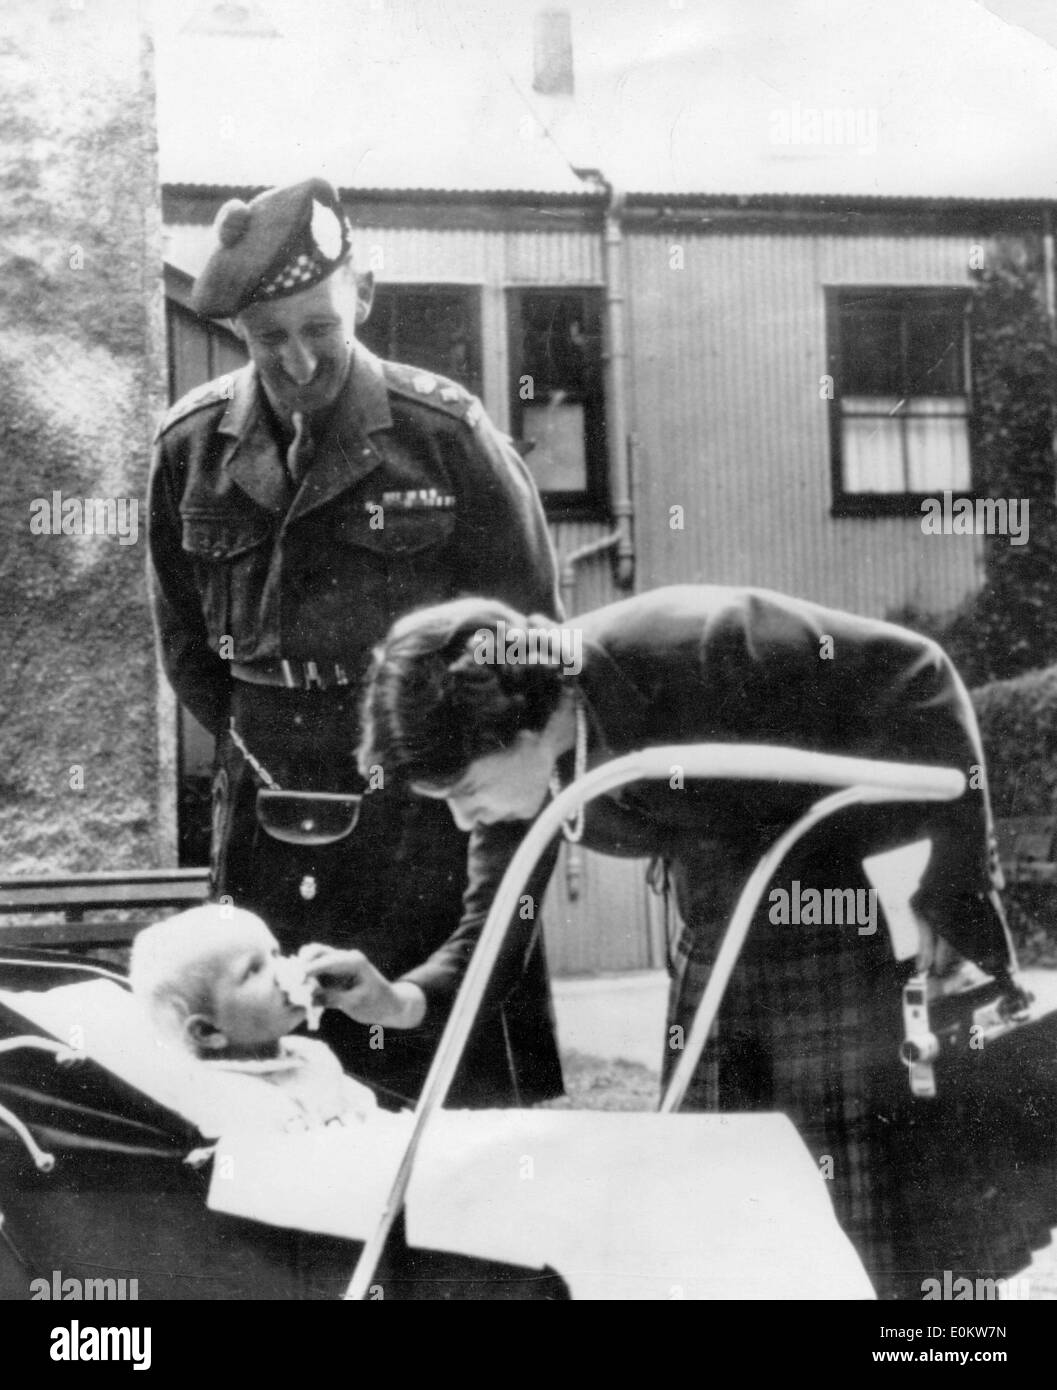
(810, 1025)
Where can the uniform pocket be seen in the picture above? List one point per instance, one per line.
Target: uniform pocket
(231, 556)
(401, 563)
(220, 538)
(411, 532)
(397, 533)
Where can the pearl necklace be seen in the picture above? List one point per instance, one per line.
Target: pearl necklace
(573, 829)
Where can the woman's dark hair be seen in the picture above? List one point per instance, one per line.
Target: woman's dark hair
(442, 690)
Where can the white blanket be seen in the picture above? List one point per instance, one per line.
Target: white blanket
(624, 1206)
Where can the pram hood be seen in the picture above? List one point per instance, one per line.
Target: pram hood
(82, 1107)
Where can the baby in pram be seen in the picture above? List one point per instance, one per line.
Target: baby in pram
(212, 980)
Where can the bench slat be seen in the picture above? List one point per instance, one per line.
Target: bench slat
(148, 888)
(111, 876)
(71, 935)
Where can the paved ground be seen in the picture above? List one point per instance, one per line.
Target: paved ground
(616, 1017)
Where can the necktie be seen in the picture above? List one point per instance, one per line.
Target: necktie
(299, 454)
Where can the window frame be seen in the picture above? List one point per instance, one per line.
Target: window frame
(590, 503)
(847, 503)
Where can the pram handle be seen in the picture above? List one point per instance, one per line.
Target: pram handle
(864, 781)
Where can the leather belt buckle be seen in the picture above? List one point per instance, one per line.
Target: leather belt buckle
(296, 675)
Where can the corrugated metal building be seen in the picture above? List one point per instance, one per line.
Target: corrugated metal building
(783, 372)
(728, 416)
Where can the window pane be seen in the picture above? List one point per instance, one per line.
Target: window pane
(873, 455)
(871, 362)
(557, 396)
(873, 405)
(935, 339)
(937, 449)
(937, 405)
(437, 329)
(560, 344)
(902, 400)
(559, 460)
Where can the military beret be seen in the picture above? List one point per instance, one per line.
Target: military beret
(284, 241)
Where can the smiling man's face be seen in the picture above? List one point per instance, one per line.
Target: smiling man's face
(301, 345)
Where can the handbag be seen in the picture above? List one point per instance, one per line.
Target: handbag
(296, 817)
(996, 1030)
(307, 818)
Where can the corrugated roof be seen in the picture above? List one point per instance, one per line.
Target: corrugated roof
(791, 98)
(585, 194)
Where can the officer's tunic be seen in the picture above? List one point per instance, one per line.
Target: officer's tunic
(811, 1022)
(411, 497)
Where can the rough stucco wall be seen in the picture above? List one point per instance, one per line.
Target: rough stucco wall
(81, 383)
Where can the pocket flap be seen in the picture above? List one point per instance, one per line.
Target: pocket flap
(221, 537)
(407, 531)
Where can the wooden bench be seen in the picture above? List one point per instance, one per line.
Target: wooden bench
(1026, 849)
(84, 900)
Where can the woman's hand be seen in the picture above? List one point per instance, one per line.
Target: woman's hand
(349, 982)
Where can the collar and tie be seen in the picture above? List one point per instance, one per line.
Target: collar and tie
(336, 454)
(299, 454)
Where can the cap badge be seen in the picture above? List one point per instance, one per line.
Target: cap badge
(326, 230)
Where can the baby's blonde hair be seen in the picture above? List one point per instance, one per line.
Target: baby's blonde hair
(173, 966)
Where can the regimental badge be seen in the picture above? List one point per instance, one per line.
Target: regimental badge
(326, 230)
(424, 384)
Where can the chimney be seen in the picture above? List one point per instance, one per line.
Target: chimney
(553, 54)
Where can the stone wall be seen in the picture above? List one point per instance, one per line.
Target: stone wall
(83, 780)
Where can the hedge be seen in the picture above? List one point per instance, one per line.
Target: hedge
(1018, 723)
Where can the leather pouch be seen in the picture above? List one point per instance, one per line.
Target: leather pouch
(307, 818)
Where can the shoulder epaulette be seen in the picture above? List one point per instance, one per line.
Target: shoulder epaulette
(221, 388)
(440, 392)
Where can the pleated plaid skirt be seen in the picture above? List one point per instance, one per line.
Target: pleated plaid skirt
(810, 1026)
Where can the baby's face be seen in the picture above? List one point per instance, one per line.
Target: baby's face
(249, 1006)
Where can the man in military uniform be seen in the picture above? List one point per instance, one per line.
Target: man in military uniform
(297, 508)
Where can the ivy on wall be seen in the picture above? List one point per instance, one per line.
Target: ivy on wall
(1010, 626)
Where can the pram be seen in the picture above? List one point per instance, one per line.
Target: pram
(94, 1180)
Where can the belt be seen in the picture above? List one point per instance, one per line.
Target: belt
(293, 675)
